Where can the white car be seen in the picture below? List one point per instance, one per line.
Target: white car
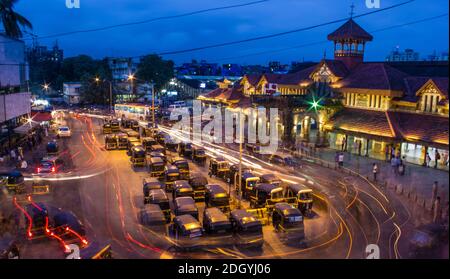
(64, 132)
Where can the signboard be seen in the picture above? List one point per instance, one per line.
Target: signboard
(361, 100)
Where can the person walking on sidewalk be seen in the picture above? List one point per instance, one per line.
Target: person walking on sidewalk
(341, 160)
(13, 155)
(437, 157)
(427, 160)
(375, 171)
(394, 165)
(434, 192)
(20, 151)
(359, 147)
(437, 213)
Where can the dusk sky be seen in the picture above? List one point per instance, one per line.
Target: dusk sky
(51, 16)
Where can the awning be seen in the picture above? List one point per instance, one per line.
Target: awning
(41, 116)
(26, 128)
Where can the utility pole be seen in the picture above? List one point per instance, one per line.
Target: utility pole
(153, 104)
(241, 132)
(110, 98)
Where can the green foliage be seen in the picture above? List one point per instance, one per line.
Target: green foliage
(153, 68)
(11, 20)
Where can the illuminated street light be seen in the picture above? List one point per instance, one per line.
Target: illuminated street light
(131, 77)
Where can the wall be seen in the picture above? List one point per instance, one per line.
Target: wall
(12, 52)
(16, 105)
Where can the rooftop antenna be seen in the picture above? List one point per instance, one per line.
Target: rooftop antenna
(352, 10)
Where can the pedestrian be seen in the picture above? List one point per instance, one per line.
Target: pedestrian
(359, 147)
(437, 157)
(46, 131)
(24, 165)
(386, 153)
(392, 152)
(341, 160)
(434, 193)
(344, 141)
(20, 151)
(427, 160)
(394, 165)
(375, 171)
(13, 155)
(401, 168)
(437, 213)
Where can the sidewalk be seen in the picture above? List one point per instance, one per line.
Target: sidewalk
(416, 177)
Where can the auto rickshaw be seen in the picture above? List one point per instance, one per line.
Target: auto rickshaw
(153, 217)
(219, 167)
(198, 155)
(138, 156)
(133, 134)
(95, 251)
(198, 183)
(181, 188)
(111, 142)
(266, 195)
(185, 149)
(158, 148)
(122, 141)
(217, 227)
(216, 196)
(147, 143)
(107, 128)
(182, 165)
(115, 126)
(160, 136)
(159, 197)
(13, 181)
(134, 125)
(40, 187)
(234, 172)
(170, 143)
(9, 248)
(171, 174)
(155, 166)
(159, 155)
(148, 184)
(247, 229)
(52, 148)
(288, 221)
(248, 181)
(185, 205)
(186, 232)
(133, 142)
(270, 178)
(303, 195)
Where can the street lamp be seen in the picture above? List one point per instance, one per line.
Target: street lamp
(97, 79)
(130, 78)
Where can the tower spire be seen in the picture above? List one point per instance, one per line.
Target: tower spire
(352, 10)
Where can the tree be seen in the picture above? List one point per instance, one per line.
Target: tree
(11, 20)
(153, 68)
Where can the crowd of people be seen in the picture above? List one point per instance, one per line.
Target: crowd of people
(15, 157)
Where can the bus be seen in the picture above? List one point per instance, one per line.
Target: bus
(135, 111)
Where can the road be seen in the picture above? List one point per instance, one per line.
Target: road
(106, 193)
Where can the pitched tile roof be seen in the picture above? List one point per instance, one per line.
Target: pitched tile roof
(374, 123)
(350, 30)
(424, 128)
(337, 67)
(377, 76)
(413, 84)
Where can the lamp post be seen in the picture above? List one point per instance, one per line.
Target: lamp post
(130, 78)
(110, 92)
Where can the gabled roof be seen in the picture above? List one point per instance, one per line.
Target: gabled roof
(414, 84)
(297, 77)
(374, 76)
(350, 30)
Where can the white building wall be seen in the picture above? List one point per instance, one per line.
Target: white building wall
(13, 67)
(16, 105)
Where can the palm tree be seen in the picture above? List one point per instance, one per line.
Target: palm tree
(12, 20)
